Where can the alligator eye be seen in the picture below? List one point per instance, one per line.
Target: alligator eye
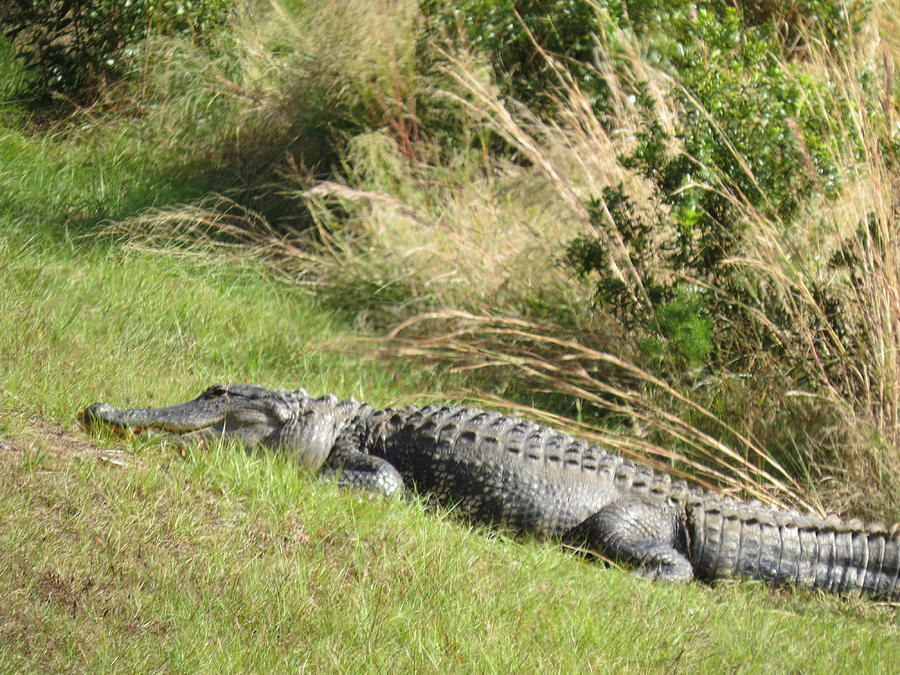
(216, 390)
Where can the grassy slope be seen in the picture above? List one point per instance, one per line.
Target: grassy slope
(225, 561)
(141, 330)
(122, 557)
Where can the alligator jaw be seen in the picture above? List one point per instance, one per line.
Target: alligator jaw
(218, 410)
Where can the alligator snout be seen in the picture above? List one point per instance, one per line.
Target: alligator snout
(103, 414)
(249, 411)
(94, 413)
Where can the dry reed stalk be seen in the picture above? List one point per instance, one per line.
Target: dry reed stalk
(528, 353)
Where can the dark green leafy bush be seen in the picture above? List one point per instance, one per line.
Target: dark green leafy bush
(73, 45)
(829, 20)
(749, 139)
(749, 128)
(507, 30)
(672, 314)
(497, 28)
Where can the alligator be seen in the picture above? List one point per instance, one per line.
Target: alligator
(504, 471)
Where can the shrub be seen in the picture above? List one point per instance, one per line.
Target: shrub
(507, 30)
(749, 136)
(73, 45)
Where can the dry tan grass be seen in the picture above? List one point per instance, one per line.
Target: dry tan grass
(455, 250)
(480, 232)
(859, 370)
(521, 349)
(575, 157)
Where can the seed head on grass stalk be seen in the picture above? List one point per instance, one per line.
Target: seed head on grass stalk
(525, 352)
(838, 277)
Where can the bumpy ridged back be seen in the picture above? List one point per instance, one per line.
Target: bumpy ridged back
(727, 537)
(527, 446)
(730, 538)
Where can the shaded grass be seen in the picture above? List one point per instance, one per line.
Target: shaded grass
(53, 186)
(230, 561)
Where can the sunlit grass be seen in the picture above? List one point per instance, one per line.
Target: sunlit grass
(149, 330)
(230, 561)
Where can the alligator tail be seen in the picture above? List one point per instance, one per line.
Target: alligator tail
(729, 539)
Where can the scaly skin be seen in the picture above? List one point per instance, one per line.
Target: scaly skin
(502, 470)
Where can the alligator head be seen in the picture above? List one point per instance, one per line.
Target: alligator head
(284, 420)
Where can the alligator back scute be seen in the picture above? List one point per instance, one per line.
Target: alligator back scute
(496, 468)
(493, 435)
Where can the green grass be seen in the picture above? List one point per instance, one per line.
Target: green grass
(145, 330)
(225, 561)
(53, 185)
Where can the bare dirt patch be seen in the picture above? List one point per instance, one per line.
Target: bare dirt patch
(55, 444)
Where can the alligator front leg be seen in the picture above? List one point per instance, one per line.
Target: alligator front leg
(638, 533)
(359, 470)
